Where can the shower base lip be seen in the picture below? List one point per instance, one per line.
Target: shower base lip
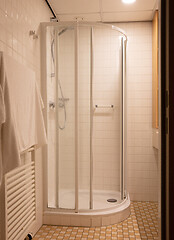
(89, 218)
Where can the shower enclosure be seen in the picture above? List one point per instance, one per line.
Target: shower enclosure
(84, 91)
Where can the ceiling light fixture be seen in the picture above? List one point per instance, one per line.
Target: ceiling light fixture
(128, 1)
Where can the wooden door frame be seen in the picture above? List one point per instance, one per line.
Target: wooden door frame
(171, 117)
(163, 119)
(167, 120)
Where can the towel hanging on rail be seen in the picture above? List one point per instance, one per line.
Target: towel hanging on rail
(26, 104)
(22, 124)
(9, 153)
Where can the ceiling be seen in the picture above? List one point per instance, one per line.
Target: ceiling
(103, 10)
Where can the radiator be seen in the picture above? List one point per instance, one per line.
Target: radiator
(20, 200)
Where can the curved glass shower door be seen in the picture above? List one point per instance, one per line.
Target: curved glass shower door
(87, 169)
(84, 116)
(107, 118)
(66, 119)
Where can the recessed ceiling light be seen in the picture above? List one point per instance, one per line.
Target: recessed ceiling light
(128, 1)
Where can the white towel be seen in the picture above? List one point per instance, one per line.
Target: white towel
(26, 105)
(2, 106)
(21, 121)
(2, 120)
(41, 138)
(9, 151)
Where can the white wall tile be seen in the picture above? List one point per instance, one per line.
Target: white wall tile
(17, 17)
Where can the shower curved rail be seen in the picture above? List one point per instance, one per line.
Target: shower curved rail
(70, 24)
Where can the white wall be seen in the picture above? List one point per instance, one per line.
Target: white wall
(142, 157)
(106, 91)
(17, 18)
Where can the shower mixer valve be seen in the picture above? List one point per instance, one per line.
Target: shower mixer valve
(51, 104)
(62, 101)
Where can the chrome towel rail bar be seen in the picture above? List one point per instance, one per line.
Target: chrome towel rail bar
(104, 106)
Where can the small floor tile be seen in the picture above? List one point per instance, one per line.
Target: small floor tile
(141, 224)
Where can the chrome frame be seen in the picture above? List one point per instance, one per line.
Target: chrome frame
(121, 126)
(76, 119)
(56, 70)
(124, 120)
(91, 120)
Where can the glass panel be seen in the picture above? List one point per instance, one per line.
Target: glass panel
(66, 117)
(106, 127)
(84, 116)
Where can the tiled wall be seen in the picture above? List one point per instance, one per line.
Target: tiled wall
(142, 157)
(106, 121)
(17, 18)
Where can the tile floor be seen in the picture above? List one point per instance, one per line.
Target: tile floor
(141, 224)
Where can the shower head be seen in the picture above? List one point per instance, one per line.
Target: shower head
(61, 32)
(64, 30)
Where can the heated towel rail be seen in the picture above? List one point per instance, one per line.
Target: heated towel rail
(20, 200)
